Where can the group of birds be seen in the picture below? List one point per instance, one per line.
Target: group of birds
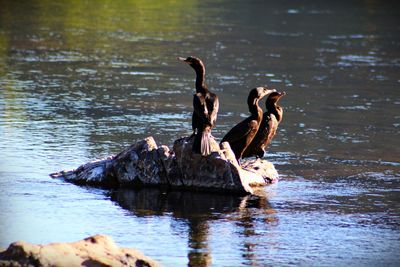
(249, 137)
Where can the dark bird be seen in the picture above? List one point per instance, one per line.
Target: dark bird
(269, 124)
(240, 136)
(205, 108)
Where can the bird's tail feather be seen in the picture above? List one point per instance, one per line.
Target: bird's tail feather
(205, 147)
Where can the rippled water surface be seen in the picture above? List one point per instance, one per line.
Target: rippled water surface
(81, 80)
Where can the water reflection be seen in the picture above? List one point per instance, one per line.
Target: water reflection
(78, 83)
(253, 212)
(198, 211)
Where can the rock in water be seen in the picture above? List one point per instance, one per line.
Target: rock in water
(145, 163)
(98, 250)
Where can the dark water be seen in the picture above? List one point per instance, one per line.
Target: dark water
(81, 80)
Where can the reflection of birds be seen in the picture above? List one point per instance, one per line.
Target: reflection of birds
(205, 104)
(193, 210)
(269, 124)
(240, 136)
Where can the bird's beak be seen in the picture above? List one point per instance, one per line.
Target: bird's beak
(279, 96)
(182, 59)
(269, 91)
(263, 94)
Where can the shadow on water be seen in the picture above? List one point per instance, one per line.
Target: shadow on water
(198, 210)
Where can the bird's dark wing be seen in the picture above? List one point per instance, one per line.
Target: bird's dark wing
(195, 121)
(214, 111)
(241, 130)
(200, 108)
(272, 127)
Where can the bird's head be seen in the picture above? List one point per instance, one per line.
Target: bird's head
(258, 93)
(274, 97)
(194, 62)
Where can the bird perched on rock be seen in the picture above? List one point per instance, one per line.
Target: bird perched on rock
(241, 135)
(269, 124)
(205, 108)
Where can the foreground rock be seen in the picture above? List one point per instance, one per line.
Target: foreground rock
(145, 163)
(98, 250)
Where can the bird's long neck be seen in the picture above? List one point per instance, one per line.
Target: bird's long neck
(201, 86)
(279, 113)
(276, 110)
(254, 109)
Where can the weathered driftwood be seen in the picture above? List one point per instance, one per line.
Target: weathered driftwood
(98, 250)
(145, 163)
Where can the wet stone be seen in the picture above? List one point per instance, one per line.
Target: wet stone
(146, 164)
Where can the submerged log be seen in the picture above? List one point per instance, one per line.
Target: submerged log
(145, 163)
(98, 250)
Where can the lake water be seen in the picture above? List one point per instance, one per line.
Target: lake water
(80, 80)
